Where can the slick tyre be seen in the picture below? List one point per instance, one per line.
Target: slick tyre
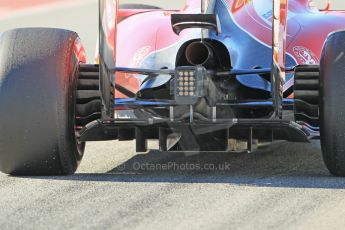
(332, 106)
(38, 81)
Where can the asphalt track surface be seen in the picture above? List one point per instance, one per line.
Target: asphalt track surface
(285, 186)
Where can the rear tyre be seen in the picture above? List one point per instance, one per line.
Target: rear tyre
(38, 85)
(332, 106)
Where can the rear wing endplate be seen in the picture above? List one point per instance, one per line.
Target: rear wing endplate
(279, 25)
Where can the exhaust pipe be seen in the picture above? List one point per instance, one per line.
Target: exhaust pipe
(200, 53)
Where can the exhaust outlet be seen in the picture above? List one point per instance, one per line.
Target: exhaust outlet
(199, 53)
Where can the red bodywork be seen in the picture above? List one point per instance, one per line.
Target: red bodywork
(144, 32)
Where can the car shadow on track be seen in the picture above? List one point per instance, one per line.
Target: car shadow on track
(287, 165)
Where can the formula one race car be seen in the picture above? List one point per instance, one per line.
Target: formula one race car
(210, 77)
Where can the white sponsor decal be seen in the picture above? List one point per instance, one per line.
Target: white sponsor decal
(139, 56)
(305, 55)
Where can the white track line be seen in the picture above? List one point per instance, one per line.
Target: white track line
(4, 14)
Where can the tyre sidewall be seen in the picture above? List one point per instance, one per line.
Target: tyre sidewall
(37, 81)
(332, 106)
